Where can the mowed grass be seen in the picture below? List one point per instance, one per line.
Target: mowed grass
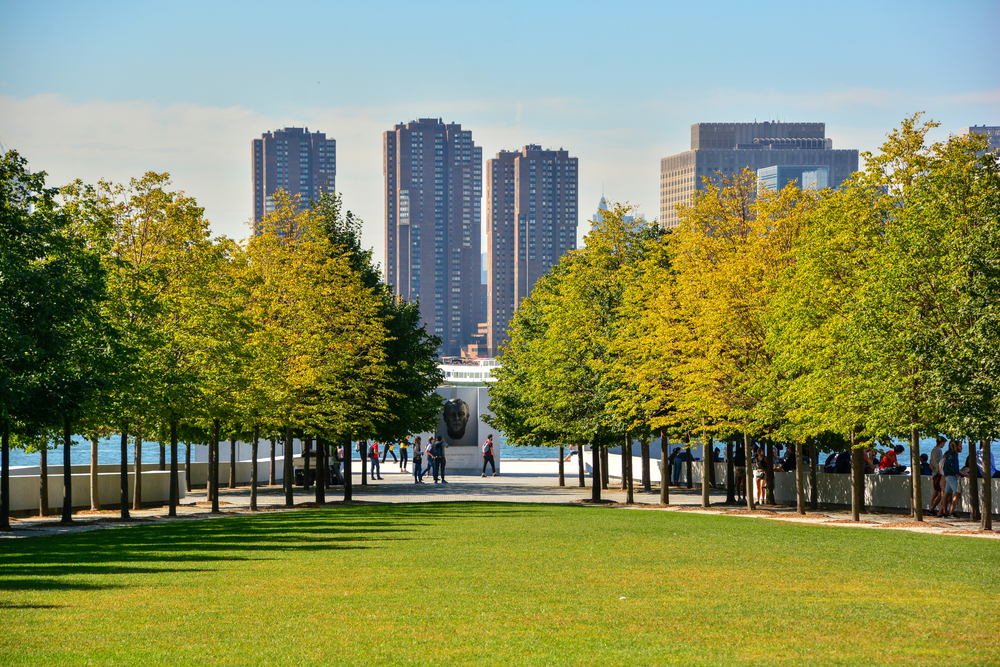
(505, 584)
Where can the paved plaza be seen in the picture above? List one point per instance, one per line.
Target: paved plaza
(522, 481)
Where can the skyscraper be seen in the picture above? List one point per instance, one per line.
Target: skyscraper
(531, 220)
(293, 160)
(729, 147)
(433, 199)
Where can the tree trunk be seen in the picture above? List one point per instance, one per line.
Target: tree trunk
(987, 512)
(800, 480)
(123, 471)
(320, 472)
(272, 476)
(630, 490)
(857, 482)
(647, 481)
(43, 482)
(137, 473)
(917, 487)
(604, 466)
(348, 475)
(664, 471)
(690, 463)
(813, 488)
(289, 498)
(214, 467)
(306, 454)
(973, 484)
(187, 467)
(363, 452)
(769, 473)
(163, 456)
(95, 489)
(706, 461)
(750, 463)
(730, 476)
(232, 463)
(175, 487)
(629, 447)
(254, 445)
(595, 493)
(67, 510)
(5, 479)
(562, 475)
(582, 468)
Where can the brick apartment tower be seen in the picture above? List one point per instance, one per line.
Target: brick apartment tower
(531, 220)
(294, 160)
(433, 200)
(729, 147)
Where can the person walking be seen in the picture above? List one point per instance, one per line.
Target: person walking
(429, 458)
(373, 457)
(760, 475)
(488, 455)
(439, 459)
(950, 470)
(418, 471)
(404, 446)
(388, 450)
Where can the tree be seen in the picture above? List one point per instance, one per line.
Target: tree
(55, 341)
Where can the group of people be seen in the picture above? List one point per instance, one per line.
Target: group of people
(430, 458)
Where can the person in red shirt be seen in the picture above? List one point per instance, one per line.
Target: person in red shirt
(488, 455)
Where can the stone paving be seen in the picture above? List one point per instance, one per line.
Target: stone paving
(522, 481)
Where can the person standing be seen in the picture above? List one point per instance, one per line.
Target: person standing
(740, 470)
(388, 450)
(373, 457)
(429, 458)
(488, 455)
(418, 472)
(760, 475)
(404, 454)
(439, 459)
(937, 479)
(949, 468)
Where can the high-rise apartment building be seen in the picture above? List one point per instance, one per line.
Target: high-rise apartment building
(992, 132)
(294, 160)
(531, 220)
(730, 147)
(433, 199)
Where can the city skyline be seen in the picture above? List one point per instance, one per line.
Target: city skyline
(77, 98)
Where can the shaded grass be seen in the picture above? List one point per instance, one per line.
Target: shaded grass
(474, 583)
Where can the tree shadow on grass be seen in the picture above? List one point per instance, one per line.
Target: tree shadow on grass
(50, 562)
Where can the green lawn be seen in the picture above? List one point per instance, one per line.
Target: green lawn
(473, 583)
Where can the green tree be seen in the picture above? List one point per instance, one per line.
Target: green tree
(55, 340)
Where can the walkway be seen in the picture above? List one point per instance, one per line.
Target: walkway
(522, 481)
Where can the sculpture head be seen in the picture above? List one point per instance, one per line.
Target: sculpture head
(456, 417)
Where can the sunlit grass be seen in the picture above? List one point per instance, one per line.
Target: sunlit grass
(469, 583)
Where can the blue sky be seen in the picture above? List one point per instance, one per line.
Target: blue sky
(111, 90)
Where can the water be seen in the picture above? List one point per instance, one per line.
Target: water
(109, 452)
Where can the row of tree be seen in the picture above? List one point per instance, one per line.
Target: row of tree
(120, 314)
(816, 319)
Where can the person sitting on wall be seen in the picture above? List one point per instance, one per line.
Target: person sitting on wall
(925, 466)
(889, 465)
(787, 462)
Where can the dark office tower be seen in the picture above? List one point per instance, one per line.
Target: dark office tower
(294, 160)
(729, 147)
(433, 192)
(531, 219)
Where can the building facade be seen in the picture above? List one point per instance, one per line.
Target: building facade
(992, 132)
(531, 220)
(294, 160)
(730, 147)
(433, 199)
